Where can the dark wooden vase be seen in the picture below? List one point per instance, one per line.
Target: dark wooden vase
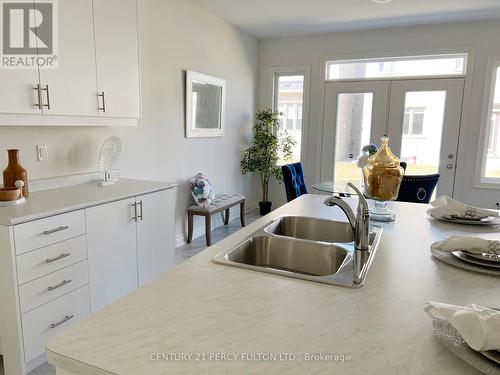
(14, 172)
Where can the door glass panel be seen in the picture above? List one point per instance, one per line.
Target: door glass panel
(354, 120)
(290, 101)
(422, 131)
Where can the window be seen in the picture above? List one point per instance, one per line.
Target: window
(413, 123)
(289, 98)
(491, 152)
(408, 66)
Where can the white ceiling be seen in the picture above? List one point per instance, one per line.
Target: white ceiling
(268, 18)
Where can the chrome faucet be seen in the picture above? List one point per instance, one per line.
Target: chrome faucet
(360, 225)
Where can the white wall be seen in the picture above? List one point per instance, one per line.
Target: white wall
(312, 49)
(174, 36)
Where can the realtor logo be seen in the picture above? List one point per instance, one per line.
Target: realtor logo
(29, 34)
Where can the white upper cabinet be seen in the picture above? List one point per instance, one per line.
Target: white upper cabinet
(117, 59)
(96, 80)
(71, 88)
(18, 92)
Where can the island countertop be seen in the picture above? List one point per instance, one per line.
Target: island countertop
(208, 318)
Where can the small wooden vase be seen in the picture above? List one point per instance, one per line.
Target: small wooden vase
(14, 172)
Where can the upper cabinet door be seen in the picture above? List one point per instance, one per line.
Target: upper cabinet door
(117, 57)
(71, 88)
(18, 86)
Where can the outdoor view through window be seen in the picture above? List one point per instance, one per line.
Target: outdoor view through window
(290, 100)
(493, 145)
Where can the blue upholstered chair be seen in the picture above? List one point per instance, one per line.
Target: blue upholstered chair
(417, 189)
(293, 178)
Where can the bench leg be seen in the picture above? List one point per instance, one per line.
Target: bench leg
(208, 229)
(226, 216)
(242, 213)
(190, 227)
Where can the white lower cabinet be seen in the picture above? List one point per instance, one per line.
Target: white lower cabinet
(112, 251)
(130, 242)
(46, 321)
(56, 270)
(154, 235)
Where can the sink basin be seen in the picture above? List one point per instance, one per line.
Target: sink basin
(310, 228)
(305, 248)
(307, 258)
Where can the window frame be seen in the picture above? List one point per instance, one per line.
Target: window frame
(304, 70)
(389, 59)
(491, 77)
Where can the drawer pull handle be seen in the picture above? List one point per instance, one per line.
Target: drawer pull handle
(63, 320)
(63, 255)
(56, 230)
(62, 283)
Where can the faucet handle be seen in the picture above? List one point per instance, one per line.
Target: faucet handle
(363, 203)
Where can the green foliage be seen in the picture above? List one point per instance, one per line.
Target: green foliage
(270, 145)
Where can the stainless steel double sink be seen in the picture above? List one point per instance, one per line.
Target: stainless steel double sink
(302, 247)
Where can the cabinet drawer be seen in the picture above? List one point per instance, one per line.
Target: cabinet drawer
(41, 262)
(48, 288)
(41, 324)
(44, 232)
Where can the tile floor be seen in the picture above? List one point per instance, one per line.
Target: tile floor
(181, 254)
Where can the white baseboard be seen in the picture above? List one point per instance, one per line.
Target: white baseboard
(199, 224)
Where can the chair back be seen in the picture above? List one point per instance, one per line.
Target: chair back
(417, 189)
(293, 178)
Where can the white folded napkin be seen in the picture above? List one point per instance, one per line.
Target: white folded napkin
(479, 326)
(446, 206)
(474, 245)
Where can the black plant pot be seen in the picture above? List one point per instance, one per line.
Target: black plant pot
(265, 207)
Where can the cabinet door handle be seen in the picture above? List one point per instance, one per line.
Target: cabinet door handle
(63, 255)
(63, 320)
(38, 90)
(62, 283)
(140, 215)
(103, 108)
(135, 212)
(46, 89)
(55, 230)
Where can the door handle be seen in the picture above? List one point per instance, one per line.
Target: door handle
(62, 283)
(135, 212)
(103, 108)
(46, 89)
(449, 166)
(140, 212)
(63, 320)
(38, 90)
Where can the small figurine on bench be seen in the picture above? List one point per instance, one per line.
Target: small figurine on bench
(208, 204)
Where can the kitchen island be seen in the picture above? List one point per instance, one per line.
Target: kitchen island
(208, 318)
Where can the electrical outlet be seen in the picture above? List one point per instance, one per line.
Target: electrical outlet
(42, 152)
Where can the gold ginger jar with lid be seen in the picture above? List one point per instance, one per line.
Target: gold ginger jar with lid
(382, 174)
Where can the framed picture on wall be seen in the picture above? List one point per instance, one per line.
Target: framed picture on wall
(205, 102)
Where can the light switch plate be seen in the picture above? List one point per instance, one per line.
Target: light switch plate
(42, 152)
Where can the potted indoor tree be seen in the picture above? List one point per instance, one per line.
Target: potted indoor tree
(271, 145)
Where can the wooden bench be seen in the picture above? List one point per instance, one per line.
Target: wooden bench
(219, 204)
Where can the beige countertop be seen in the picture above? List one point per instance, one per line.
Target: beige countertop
(57, 201)
(200, 310)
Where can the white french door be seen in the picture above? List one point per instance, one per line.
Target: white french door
(421, 117)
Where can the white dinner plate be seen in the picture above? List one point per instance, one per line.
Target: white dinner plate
(466, 258)
(490, 220)
(494, 355)
(493, 258)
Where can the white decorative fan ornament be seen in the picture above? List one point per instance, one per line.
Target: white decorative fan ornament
(108, 159)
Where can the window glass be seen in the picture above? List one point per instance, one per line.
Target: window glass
(289, 99)
(492, 165)
(414, 66)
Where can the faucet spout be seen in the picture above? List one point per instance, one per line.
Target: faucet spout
(360, 224)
